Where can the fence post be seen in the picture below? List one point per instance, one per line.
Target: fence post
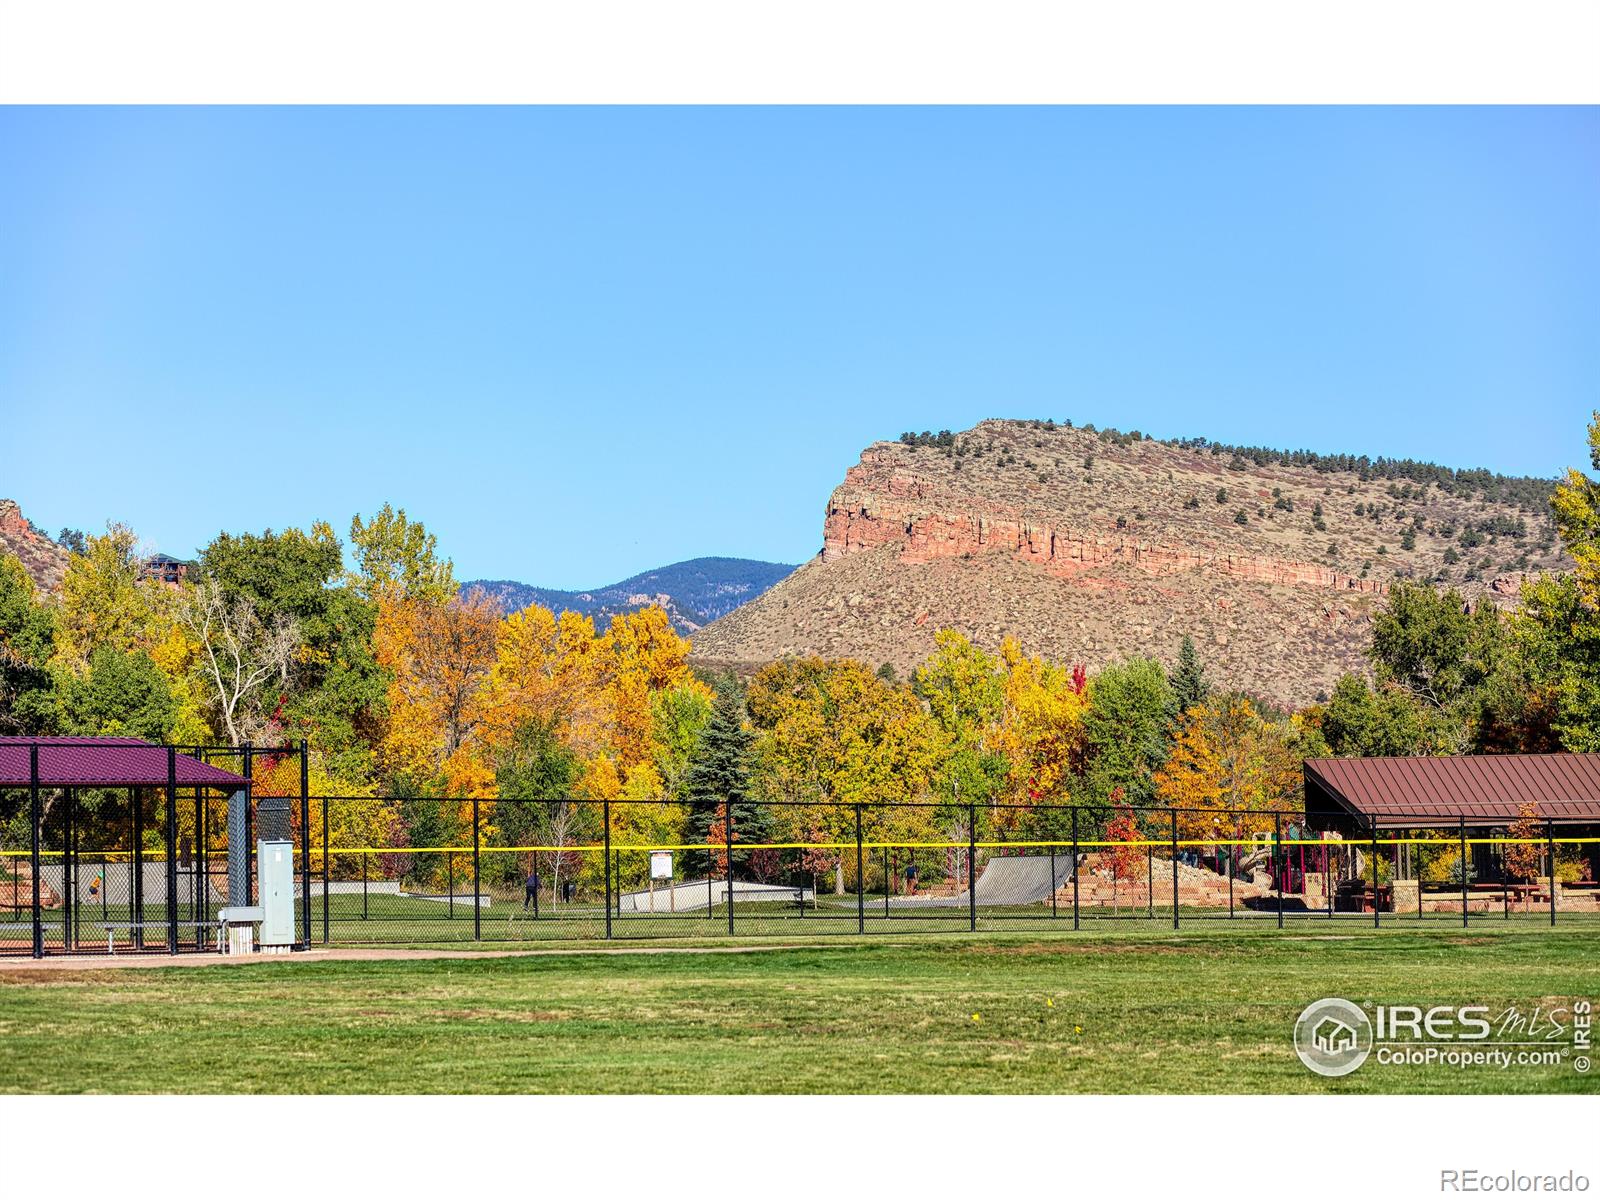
(1233, 869)
(972, 862)
(477, 881)
(305, 834)
(1054, 884)
(1278, 863)
(1372, 829)
(34, 817)
(1550, 848)
(326, 876)
(172, 849)
(1149, 879)
(1462, 824)
(364, 857)
(861, 895)
(727, 829)
(1075, 924)
(1174, 815)
(605, 818)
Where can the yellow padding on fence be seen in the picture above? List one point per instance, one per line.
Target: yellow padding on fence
(599, 847)
(1081, 843)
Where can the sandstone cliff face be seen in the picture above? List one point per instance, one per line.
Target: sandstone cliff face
(880, 505)
(45, 561)
(1091, 551)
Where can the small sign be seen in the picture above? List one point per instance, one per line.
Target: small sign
(660, 864)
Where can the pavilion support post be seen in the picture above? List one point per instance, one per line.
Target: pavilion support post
(172, 850)
(1550, 850)
(35, 816)
(68, 868)
(138, 866)
(1377, 904)
(1466, 867)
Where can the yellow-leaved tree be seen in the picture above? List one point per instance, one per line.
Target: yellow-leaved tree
(1229, 770)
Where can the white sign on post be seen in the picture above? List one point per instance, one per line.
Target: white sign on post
(660, 864)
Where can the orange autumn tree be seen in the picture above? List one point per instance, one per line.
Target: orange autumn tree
(1228, 759)
(438, 652)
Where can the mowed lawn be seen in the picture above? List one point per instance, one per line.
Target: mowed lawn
(1138, 1012)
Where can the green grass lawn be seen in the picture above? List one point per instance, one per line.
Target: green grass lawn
(1207, 1010)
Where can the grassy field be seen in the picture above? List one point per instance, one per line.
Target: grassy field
(1128, 1011)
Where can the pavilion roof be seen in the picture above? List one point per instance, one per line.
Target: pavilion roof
(105, 762)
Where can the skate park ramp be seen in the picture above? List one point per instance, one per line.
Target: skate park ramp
(693, 894)
(1005, 880)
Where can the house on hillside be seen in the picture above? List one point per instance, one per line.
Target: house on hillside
(163, 568)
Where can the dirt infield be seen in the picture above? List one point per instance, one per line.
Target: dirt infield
(95, 962)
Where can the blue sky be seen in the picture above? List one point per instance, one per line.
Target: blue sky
(583, 342)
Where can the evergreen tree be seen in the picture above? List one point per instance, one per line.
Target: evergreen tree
(1189, 685)
(719, 778)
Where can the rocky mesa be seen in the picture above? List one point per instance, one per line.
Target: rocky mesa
(1090, 545)
(45, 561)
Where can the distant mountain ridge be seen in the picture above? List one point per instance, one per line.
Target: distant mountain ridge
(692, 593)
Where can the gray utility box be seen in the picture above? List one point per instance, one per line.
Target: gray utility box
(275, 879)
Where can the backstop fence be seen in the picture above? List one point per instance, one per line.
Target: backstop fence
(129, 870)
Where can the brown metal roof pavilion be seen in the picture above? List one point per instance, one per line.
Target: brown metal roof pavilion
(105, 762)
(1476, 789)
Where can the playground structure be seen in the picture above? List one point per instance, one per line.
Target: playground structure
(110, 861)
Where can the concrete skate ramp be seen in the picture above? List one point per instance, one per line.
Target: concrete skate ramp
(1005, 880)
(693, 894)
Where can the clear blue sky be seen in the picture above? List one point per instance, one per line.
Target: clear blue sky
(583, 342)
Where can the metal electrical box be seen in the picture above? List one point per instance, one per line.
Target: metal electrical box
(275, 880)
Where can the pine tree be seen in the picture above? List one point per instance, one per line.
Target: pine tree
(719, 778)
(1189, 686)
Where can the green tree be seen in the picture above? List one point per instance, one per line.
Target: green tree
(27, 642)
(1126, 728)
(1388, 722)
(336, 690)
(393, 552)
(124, 694)
(1440, 650)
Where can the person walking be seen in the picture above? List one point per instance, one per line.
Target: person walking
(530, 891)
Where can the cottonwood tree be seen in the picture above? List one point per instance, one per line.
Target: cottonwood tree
(240, 655)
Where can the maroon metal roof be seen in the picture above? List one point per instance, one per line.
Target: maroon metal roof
(1481, 788)
(104, 762)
